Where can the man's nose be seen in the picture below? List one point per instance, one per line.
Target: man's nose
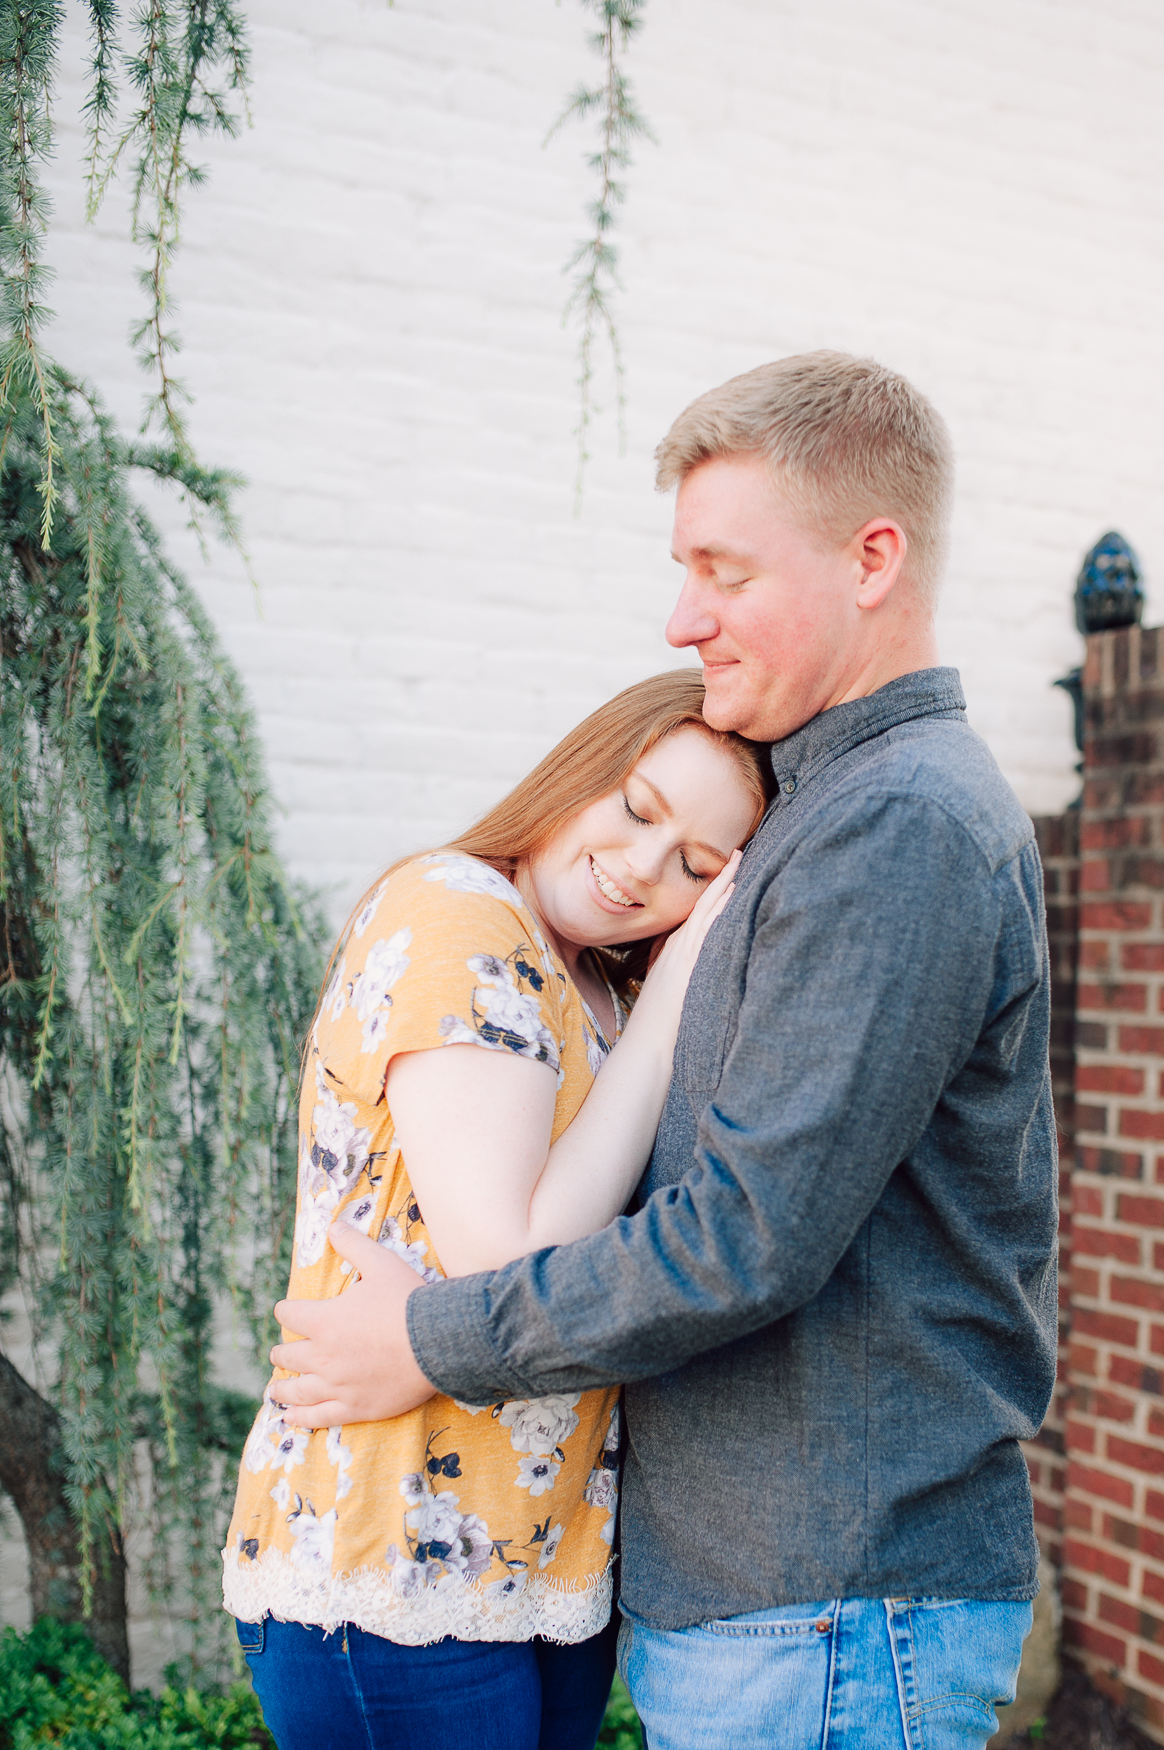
(691, 622)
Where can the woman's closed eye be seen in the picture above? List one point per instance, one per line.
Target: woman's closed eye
(641, 820)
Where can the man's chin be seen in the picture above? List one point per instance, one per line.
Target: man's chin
(764, 719)
(725, 708)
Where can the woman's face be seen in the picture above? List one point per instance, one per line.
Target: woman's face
(633, 864)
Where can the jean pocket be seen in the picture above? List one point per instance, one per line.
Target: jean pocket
(785, 1621)
(250, 1636)
(957, 1660)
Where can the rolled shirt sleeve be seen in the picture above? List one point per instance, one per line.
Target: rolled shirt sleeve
(874, 966)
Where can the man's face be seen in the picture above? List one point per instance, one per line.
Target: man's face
(770, 608)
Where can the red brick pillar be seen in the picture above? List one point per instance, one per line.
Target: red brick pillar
(1113, 1550)
(1058, 838)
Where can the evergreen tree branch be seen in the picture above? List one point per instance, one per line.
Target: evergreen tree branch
(28, 34)
(100, 106)
(594, 262)
(156, 973)
(188, 69)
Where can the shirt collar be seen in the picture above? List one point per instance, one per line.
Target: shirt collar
(928, 692)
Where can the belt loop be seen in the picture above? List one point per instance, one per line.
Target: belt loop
(252, 1635)
(838, 1605)
(900, 1625)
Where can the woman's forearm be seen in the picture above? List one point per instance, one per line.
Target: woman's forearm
(596, 1163)
(474, 1128)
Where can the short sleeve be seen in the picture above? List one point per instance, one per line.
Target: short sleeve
(444, 952)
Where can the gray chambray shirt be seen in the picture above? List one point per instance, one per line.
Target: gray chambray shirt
(835, 1306)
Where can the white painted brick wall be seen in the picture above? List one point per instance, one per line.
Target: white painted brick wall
(371, 291)
(370, 296)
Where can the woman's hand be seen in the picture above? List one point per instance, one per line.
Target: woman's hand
(671, 968)
(353, 1361)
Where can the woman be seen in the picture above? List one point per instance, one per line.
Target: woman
(462, 1553)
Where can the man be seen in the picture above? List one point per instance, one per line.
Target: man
(835, 1306)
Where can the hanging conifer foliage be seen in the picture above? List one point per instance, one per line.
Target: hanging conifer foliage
(156, 971)
(594, 261)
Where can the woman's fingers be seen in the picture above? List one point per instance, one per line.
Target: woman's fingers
(357, 1248)
(718, 890)
(356, 1363)
(712, 901)
(701, 926)
(681, 949)
(715, 895)
(299, 1316)
(304, 1388)
(332, 1414)
(717, 908)
(726, 875)
(313, 1318)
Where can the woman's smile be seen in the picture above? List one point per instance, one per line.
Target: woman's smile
(610, 895)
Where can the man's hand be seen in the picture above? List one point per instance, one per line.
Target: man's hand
(355, 1363)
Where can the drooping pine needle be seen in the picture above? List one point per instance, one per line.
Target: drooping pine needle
(594, 262)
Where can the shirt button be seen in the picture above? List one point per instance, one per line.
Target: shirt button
(789, 786)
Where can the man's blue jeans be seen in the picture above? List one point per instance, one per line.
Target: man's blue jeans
(844, 1674)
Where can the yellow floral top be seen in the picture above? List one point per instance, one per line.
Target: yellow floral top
(486, 1522)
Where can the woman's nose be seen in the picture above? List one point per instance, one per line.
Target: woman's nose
(646, 861)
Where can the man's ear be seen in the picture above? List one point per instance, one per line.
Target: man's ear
(881, 548)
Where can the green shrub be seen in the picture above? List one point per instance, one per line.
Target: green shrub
(620, 1728)
(55, 1690)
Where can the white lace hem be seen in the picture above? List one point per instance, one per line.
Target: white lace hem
(271, 1586)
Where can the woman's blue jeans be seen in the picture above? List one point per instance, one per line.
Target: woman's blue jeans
(843, 1674)
(354, 1691)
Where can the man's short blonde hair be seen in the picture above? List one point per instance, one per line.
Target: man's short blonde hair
(847, 440)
